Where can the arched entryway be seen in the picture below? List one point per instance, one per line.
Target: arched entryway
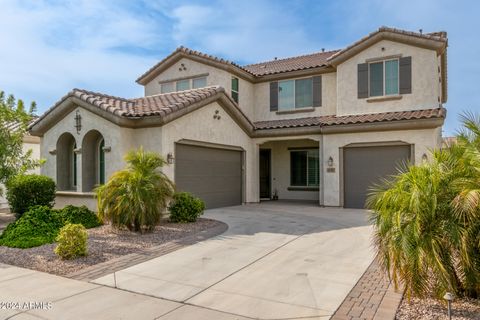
(66, 162)
(93, 160)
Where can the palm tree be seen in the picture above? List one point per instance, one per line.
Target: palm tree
(137, 196)
(426, 221)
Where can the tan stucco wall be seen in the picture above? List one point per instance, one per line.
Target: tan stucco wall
(280, 168)
(329, 98)
(425, 84)
(215, 77)
(201, 126)
(119, 139)
(423, 140)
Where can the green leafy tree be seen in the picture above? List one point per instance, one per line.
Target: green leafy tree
(427, 220)
(137, 196)
(14, 120)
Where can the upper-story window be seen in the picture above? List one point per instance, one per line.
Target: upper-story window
(183, 84)
(384, 78)
(235, 89)
(295, 94)
(387, 79)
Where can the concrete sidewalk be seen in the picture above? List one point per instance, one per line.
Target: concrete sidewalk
(71, 299)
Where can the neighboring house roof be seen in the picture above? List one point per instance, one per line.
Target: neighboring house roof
(318, 59)
(324, 60)
(448, 141)
(351, 119)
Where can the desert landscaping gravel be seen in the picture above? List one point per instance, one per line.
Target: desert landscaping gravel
(104, 243)
(462, 309)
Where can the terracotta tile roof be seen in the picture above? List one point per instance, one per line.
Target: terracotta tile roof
(438, 36)
(290, 64)
(187, 51)
(156, 105)
(324, 121)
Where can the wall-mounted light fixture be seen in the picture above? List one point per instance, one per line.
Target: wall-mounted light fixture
(424, 158)
(216, 115)
(170, 158)
(53, 151)
(107, 149)
(77, 150)
(330, 162)
(78, 122)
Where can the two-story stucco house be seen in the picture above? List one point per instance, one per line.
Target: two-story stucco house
(320, 127)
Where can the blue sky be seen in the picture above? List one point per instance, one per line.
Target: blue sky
(51, 46)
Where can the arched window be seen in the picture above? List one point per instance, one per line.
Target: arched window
(93, 160)
(66, 163)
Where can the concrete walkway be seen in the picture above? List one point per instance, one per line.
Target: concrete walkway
(276, 261)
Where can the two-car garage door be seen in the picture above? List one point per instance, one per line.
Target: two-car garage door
(364, 166)
(212, 174)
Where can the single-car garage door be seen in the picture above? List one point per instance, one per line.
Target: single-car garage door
(214, 175)
(364, 166)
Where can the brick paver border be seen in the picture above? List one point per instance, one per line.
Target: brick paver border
(373, 297)
(123, 262)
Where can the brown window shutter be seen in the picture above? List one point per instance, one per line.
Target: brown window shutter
(274, 96)
(362, 81)
(317, 91)
(405, 68)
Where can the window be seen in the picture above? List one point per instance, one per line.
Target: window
(235, 89)
(183, 85)
(384, 78)
(101, 162)
(304, 168)
(167, 87)
(199, 82)
(295, 94)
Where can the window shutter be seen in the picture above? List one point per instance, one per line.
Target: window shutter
(405, 68)
(317, 91)
(362, 79)
(274, 96)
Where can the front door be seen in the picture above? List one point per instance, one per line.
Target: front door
(265, 189)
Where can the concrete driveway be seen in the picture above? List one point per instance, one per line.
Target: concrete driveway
(277, 261)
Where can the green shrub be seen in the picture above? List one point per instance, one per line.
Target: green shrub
(427, 221)
(79, 215)
(185, 207)
(72, 241)
(41, 224)
(136, 196)
(37, 226)
(25, 191)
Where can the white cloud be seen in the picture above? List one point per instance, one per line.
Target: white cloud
(247, 31)
(50, 48)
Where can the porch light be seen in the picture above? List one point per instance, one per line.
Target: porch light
(330, 162)
(170, 158)
(424, 157)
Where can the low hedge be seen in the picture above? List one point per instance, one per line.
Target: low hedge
(41, 225)
(185, 207)
(25, 191)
